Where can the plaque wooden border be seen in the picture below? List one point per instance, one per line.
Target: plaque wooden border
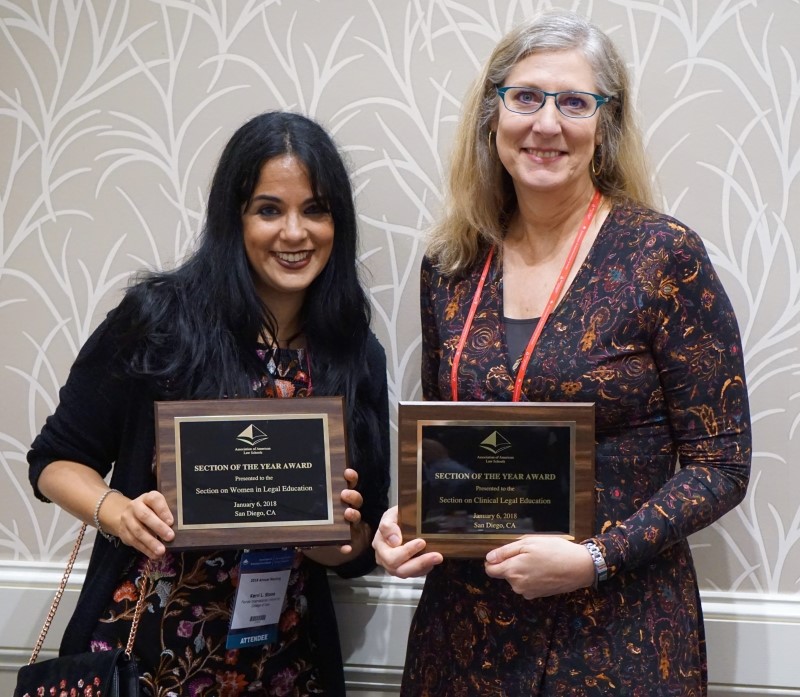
(580, 415)
(254, 534)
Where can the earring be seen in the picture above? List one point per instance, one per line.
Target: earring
(491, 133)
(596, 171)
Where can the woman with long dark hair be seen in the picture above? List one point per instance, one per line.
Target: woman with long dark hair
(269, 305)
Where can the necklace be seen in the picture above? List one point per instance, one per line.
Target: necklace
(594, 204)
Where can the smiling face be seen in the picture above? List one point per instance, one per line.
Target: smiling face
(288, 235)
(547, 151)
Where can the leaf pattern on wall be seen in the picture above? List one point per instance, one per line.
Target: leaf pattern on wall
(113, 113)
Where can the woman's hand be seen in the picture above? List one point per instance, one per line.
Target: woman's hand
(353, 500)
(359, 531)
(397, 558)
(142, 522)
(537, 566)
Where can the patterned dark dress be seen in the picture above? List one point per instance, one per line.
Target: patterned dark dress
(647, 333)
(181, 637)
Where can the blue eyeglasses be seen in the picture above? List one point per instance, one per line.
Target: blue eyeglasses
(528, 100)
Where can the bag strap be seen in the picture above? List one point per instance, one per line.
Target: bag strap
(60, 592)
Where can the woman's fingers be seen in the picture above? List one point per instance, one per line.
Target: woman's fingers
(406, 561)
(352, 498)
(351, 476)
(400, 559)
(389, 529)
(145, 521)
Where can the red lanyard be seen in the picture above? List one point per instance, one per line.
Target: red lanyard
(551, 303)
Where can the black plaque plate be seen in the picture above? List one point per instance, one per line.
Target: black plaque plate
(473, 476)
(253, 472)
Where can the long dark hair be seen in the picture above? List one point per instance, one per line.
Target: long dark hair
(193, 331)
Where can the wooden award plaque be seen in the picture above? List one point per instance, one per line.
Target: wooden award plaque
(253, 472)
(473, 476)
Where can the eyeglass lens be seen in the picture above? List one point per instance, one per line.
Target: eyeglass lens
(525, 100)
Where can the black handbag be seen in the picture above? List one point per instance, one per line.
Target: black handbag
(88, 674)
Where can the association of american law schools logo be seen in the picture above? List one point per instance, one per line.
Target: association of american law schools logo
(495, 443)
(252, 435)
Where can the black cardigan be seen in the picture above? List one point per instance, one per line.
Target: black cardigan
(106, 418)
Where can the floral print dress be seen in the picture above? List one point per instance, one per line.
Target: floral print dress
(180, 642)
(646, 332)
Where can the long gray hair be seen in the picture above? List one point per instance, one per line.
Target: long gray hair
(481, 196)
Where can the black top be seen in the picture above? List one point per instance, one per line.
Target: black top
(106, 418)
(518, 333)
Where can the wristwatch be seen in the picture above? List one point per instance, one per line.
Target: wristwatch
(600, 568)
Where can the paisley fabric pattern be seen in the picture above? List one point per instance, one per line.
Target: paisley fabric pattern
(647, 333)
(180, 642)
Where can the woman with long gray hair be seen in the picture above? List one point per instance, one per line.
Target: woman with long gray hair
(551, 278)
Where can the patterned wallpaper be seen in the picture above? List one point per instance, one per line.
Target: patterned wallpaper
(113, 112)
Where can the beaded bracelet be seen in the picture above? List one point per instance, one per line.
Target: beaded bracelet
(96, 519)
(600, 568)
